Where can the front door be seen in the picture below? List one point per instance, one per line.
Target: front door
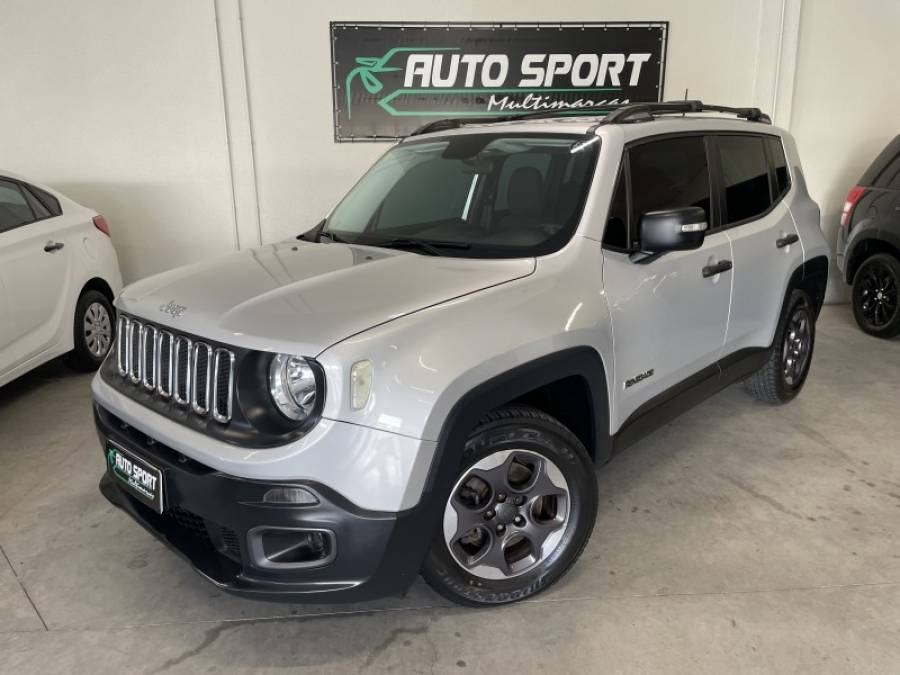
(669, 317)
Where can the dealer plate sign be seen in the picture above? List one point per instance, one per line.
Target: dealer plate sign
(142, 480)
(389, 79)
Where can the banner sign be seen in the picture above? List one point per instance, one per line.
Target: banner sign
(389, 79)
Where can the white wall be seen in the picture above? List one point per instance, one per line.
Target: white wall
(846, 98)
(119, 105)
(302, 172)
(200, 126)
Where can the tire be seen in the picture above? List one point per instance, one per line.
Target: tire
(876, 305)
(91, 347)
(784, 373)
(543, 488)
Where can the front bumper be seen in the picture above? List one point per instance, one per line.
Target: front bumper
(214, 521)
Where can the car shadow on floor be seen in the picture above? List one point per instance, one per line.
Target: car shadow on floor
(53, 371)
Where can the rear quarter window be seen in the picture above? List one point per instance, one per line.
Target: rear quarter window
(779, 167)
(50, 202)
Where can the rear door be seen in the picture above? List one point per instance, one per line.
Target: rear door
(754, 180)
(668, 320)
(34, 270)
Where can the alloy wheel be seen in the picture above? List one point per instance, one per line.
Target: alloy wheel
(506, 514)
(97, 329)
(797, 346)
(876, 294)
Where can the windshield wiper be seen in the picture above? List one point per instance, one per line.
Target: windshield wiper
(331, 236)
(429, 246)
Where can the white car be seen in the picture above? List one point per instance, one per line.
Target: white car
(58, 276)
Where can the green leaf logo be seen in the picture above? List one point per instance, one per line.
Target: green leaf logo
(369, 66)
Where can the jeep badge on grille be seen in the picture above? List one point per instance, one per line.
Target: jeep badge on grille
(173, 309)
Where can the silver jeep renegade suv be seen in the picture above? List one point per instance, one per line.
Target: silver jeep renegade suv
(426, 381)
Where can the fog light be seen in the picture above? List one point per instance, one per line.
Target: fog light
(290, 495)
(291, 548)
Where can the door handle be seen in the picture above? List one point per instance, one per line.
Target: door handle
(718, 268)
(53, 246)
(787, 241)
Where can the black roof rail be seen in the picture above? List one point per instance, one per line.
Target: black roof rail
(634, 112)
(640, 112)
(457, 122)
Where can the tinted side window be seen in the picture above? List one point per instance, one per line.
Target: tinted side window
(616, 232)
(48, 200)
(14, 210)
(745, 175)
(40, 211)
(668, 174)
(779, 166)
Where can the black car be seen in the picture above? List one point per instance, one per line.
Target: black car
(868, 245)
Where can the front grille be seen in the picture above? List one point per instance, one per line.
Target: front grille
(232, 543)
(223, 539)
(192, 373)
(189, 522)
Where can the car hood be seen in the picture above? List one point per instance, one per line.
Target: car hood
(301, 297)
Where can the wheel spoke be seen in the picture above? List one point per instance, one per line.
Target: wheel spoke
(496, 558)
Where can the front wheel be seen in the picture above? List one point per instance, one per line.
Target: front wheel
(93, 331)
(876, 305)
(520, 513)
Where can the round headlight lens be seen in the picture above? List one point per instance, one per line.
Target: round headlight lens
(292, 384)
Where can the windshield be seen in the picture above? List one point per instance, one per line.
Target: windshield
(473, 195)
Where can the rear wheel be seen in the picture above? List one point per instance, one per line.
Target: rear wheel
(520, 513)
(93, 331)
(785, 371)
(875, 296)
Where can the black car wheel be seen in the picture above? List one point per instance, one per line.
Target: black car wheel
(875, 296)
(520, 513)
(93, 331)
(782, 376)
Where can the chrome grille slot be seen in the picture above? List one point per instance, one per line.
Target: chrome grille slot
(223, 385)
(196, 375)
(121, 350)
(149, 336)
(203, 357)
(165, 345)
(133, 336)
(182, 367)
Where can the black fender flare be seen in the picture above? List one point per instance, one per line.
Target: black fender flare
(415, 533)
(810, 276)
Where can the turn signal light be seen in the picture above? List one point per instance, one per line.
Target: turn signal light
(856, 192)
(296, 496)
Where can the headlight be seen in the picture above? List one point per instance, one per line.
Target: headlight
(292, 384)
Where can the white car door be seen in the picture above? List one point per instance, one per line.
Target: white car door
(669, 313)
(34, 267)
(763, 235)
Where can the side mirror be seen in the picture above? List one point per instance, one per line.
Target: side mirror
(679, 229)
